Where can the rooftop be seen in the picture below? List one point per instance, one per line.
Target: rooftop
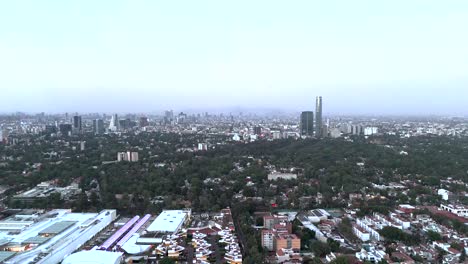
(58, 231)
(93, 257)
(168, 221)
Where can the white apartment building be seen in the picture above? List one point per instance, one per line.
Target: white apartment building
(459, 210)
(361, 233)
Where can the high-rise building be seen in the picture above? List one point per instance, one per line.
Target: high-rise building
(258, 130)
(132, 156)
(169, 114)
(144, 121)
(65, 129)
(181, 118)
(50, 129)
(124, 124)
(4, 135)
(114, 124)
(98, 126)
(357, 130)
(202, 146)
(318, 116)
(369, 131)
(77, 125)
(307, 123)
(127, 156)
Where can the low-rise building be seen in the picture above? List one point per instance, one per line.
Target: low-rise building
(371, 254)
(288, 241)
(169, 221)
(279, 175)
(459, 210)
(38, 233)
(361, 233)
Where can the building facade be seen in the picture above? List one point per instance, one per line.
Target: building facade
(98, 126)
(318, 117)
(77, 124)
(307, 123)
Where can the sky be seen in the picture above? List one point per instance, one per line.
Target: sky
(362, 56)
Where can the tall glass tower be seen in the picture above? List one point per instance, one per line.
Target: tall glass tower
(318, 116)
(307, 123)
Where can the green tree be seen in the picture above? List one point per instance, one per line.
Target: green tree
(433, 236)
(462, 258)
(333, 244)
(320, 249)
(167, 260)
(340, 260)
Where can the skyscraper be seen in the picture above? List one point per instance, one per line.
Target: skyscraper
(77, 126)
(257, 130)
(144, 121)
(318, 116)
(114, 123)
(65, 129)
(307, 123)
(98, 126)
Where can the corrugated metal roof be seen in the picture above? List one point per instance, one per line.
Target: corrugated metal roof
(36, 240)
(58, 227)
(4, 241)
(5, 255)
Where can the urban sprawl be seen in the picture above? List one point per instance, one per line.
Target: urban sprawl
(233, 188)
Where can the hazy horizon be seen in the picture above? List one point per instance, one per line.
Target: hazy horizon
(363, 57)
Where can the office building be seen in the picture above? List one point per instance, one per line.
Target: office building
(77, 125)
(144, 121)
(257, 130)
(49, 129)
(307, 123)
(325, 130)
(98, 126)
(169, 114)
(114, 125)
(181, 118)
(65, 129)
(318, 117)
(124, 124)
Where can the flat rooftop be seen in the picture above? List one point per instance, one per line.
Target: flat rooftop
(58, 227)
(52, 236)
(169, 221)
(5, 255)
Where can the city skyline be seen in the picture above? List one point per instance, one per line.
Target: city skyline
(233, 132)
(366, 57)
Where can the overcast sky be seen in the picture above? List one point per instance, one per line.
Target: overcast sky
(375, 57)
